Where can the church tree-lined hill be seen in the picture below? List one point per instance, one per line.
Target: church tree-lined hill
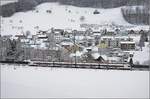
(134, 15)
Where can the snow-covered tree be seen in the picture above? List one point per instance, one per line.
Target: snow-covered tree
(82, 18)
(131, 63)
(141, 42)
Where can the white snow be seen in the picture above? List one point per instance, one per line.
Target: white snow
(128, 42)
(142, 57)
(42, 82)
(96, 55)
(78, 54)
(106, 58)
(59, 18)
(66, 43)
(4, 2)
(136, 38)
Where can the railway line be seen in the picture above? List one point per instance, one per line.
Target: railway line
(107, 66)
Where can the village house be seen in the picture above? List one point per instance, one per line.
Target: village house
(3, 47)
(108, 40)
(113, 41)
(127, 45)
(54, 44)
(58, 34)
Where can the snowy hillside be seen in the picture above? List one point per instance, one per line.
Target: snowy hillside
(38, 82)
(4, 2)
(48, 15)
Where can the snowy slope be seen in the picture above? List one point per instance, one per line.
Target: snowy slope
(38, 82)
(62, 16)
(4, 2)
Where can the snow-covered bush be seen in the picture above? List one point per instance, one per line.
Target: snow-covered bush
(48, 11)
(82, 18)
(96, 12)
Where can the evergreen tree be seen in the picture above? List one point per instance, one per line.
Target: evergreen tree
(25, 5)
(141, 42)
(131, 63)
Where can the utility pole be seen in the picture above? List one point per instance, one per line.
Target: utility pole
(149, 34)
(74, 33)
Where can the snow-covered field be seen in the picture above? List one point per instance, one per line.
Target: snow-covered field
(38, 82)
(61, 16)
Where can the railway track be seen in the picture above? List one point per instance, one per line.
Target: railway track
(107, 66)
(111, 66)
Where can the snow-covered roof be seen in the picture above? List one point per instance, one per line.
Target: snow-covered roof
(89, 37)
(104, 57)
(115, 37)
(25, 40)
(113, 58)
(107, 37)
(128, 42)
(33, 46)
(95, 48)
(78, 38)
(78, 54)
(42, 36)
(122, 37)
(66, 43)
(139, 28)
(96, 34)
(96, 55)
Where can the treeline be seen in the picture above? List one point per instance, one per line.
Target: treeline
(137, 14)
(103, 3)
(22, 5)
(25, 5)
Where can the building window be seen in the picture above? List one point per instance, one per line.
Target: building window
(123, 46)
(131, 46)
